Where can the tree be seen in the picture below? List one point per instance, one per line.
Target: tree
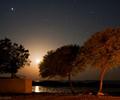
(60, 62)
(47, 65)
(102, 50)
(12, 57)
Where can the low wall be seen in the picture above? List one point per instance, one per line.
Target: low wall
(15, 86)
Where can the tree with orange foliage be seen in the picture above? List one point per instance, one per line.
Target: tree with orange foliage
(102, 50)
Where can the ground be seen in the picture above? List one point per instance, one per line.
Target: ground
(56, 97)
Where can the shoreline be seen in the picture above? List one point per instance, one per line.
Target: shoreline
(39, 96)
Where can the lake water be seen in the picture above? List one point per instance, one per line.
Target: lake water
(50, 89)
(66, 89)
(41, 89)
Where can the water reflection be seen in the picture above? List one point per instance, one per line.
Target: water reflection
(39, 89)
(51, 89)
(66, 90)
(36, 89)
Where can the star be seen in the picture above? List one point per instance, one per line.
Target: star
(12, 9)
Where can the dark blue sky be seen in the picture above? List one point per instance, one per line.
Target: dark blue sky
(42, 25)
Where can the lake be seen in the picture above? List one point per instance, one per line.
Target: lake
(112, 88)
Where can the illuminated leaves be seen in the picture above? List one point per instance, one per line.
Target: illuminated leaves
(101, 48)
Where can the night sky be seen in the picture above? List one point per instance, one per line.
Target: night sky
(42, 25)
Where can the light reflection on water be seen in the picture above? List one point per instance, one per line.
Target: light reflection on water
(42, 89)
(36, 89)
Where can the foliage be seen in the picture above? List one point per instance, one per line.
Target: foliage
(102, 50)
(12, 56)
(59, 62)
(47, 65)
(103, 47)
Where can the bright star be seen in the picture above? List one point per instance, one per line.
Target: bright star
(12, 9)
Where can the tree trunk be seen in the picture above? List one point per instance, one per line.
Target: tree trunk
(102, 73)
(12, 75)
(70, 82)
(69, 79)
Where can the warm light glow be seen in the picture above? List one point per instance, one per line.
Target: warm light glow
(35, 58)
(37, 61)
